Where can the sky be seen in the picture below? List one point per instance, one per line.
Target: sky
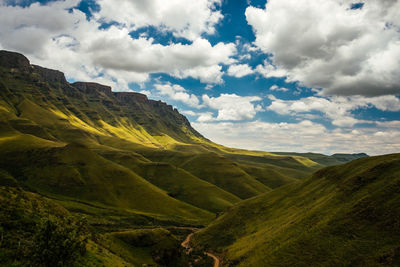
(279, 75)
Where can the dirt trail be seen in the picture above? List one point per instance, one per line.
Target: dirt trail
(215, 258)
(186, 245)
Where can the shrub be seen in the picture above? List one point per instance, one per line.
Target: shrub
(58, 243)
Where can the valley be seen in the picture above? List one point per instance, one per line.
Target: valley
(140, 179)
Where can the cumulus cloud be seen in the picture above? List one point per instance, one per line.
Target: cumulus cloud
(206, 117)
(277, 88)
(229, 107)
(189, 18)
(304, 136)
(178, 93)
(326, 44)
(57, 35)
(239, 70)
(232, 107)
(198, 60)
(336, 109)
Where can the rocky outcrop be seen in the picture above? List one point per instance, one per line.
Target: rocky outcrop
(92, 88)
(14, 60)
(129, 97)
(50, 75)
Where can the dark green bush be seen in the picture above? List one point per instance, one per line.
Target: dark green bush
(58, 243)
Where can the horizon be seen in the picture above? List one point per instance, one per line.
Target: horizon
(242, 79)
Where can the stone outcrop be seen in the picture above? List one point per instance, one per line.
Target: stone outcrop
(14, 60)
(92, 88)
(128, 97)
(50, 75)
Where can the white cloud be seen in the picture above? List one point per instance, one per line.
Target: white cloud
(304, 136)
(229, 107)
(277, 88)
(337, 109)
(232, 107)
(198, 60)
(325, 44)
(268, 70)
(206, 117)
(56, 35)
(239, 70)
(189, 18)
(178, 93)
(145, 92)
(188, 112)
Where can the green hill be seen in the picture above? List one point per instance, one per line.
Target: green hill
(118, 149)
(345, 215)
(143, 178)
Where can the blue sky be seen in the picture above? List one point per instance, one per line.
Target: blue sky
(282, 75)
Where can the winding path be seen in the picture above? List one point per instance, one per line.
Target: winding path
(186, 245)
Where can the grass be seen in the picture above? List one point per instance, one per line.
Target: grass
(125, 162)
(180, 184)
(344, 215)
(76, 172)
(121, 151)
(21, 211)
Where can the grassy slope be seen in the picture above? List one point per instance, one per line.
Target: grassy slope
(61, 112)
(347, 215)
(178, 183)
(76, 172)
(39, 117)
(213, 168)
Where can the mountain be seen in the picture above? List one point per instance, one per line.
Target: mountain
(85, 143)
(134, 168)
(345, 215)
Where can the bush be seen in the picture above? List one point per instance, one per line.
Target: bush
(58, 243)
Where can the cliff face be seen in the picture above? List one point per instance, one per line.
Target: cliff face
(93, 102)
(49, 75)
(14, 60)
(130, 97)
(92, 88)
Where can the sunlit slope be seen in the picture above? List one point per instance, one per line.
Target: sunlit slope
(346, 215)
(76, 172)
(101, 146)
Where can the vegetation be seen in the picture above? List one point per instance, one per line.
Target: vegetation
(347, 215)
(141, 177)
(35, 231)
(56, 244)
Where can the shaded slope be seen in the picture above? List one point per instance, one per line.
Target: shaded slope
(346, 215)
(177, 182)
(22, 213)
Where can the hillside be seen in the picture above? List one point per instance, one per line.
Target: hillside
(84, 142)
(347, 215)
(134, 168)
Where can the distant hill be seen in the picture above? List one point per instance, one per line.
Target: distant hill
(322, 159)
(345, 215)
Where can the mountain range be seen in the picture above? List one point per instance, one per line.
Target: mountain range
(143, 179)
